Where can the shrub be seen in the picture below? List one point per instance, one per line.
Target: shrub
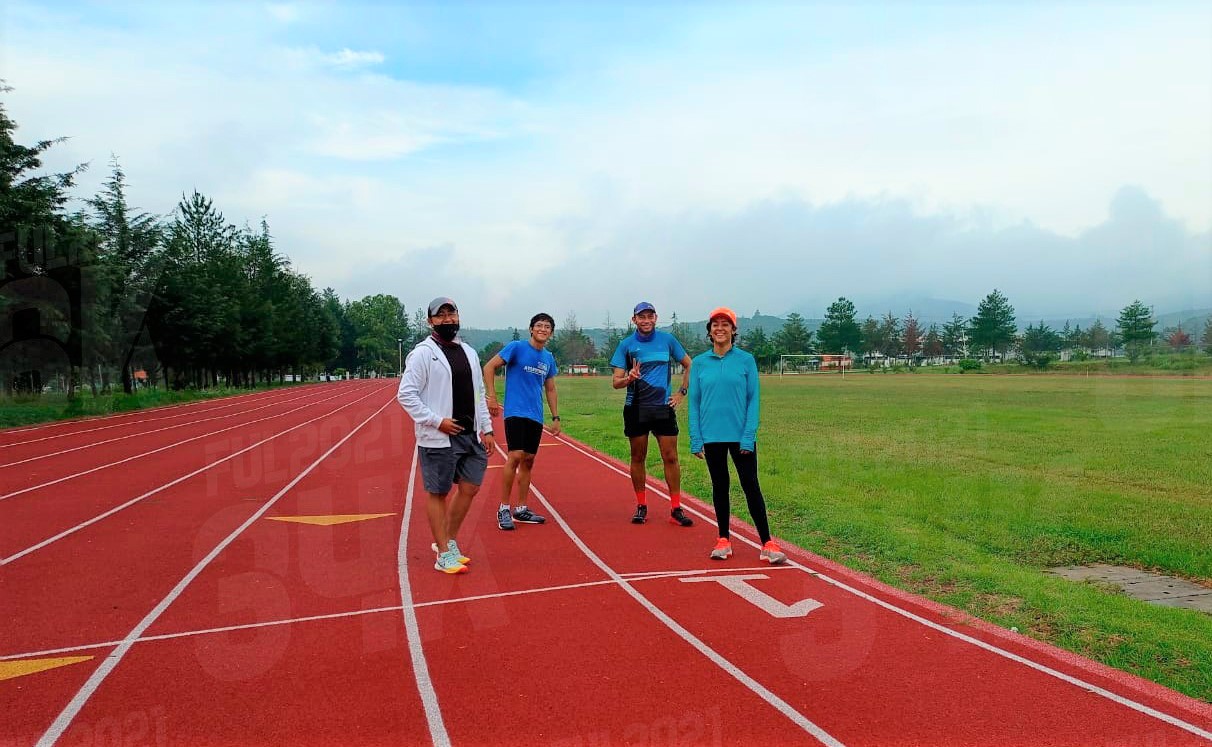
(968, 364)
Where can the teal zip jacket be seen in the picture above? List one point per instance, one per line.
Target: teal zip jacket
(723, 399)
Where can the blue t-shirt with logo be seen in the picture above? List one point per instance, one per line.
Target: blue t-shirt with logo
(654, 354)
(526, 371)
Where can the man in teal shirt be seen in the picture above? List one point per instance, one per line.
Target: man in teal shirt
(641, 364)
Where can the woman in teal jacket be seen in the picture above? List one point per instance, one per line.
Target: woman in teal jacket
(724, 422)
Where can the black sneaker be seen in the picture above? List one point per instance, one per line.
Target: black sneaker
(526, 516)
(678, 516)
(641, 514)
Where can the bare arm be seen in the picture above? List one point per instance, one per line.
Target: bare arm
(490, 383)
(553, 404)
(678, 398)
(623, 377)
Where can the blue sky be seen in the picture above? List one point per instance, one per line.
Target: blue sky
(578, 157)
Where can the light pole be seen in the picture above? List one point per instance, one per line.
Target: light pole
(400, 343)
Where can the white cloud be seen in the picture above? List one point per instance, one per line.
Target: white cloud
(347, 59)
(712, 163)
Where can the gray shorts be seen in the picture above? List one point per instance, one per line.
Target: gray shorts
(465, 459)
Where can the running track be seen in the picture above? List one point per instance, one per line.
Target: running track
(157, 591)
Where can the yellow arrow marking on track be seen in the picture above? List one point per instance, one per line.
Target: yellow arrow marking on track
(327, 521)
(21, 667)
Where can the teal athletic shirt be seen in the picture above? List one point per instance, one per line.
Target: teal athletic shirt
(652, 388)
(723, 399)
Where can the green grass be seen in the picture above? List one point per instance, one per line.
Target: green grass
(966, 488)
(16, 411)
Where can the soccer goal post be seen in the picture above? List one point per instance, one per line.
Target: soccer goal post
(806, 363)
(798, 363)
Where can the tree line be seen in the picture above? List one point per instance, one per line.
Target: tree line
(991, 334)
(187, 299)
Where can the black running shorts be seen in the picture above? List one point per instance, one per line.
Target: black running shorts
(661, 422)
(523, 434)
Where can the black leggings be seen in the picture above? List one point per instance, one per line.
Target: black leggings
(716, 455)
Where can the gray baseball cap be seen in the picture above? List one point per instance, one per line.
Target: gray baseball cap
(436, 305)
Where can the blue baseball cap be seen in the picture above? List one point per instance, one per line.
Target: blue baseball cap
(643, 306)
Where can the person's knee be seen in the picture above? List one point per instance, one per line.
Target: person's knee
(526, 462)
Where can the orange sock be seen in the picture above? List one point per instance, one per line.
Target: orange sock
(675, 501)
(641, 497)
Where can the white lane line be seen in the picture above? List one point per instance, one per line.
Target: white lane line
(1078, 682)
(134, 413)
(711, 654)
(274, 401)
(15, 493)
(141, 434)
(639, 575)
(105, 514)
(354, 613)
(412, 630)
(69, 713)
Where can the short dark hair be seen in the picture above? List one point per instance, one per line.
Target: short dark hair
(541, 317)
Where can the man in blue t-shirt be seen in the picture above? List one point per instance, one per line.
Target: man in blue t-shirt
(530, 370)
(641, 363)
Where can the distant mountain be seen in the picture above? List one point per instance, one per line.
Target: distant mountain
(926, 310)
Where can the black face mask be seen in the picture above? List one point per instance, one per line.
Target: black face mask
(446, 331)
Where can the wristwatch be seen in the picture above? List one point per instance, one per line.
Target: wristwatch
(682, 391)
(555, 418)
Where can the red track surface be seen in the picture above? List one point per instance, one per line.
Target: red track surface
(210, 623)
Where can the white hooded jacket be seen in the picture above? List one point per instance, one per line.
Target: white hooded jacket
(425, 392)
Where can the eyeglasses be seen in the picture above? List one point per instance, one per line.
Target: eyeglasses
(543, 326)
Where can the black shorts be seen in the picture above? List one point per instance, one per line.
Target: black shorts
(638, 421)
(523, 434)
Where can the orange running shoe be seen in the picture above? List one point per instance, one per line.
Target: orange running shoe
(772, 554)
(723, 549)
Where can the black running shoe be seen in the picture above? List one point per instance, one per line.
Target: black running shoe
(641, 514)
(526, 516)
(678, 516)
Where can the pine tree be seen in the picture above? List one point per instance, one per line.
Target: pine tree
(1040, 345)
(1136, 331)
(955, 337)
(840, 333)
(794, 337)
(933, 346)
(911, 337)
(127, 241)
(890, 336)
(993, 330)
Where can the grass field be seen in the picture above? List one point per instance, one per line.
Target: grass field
(966, 488)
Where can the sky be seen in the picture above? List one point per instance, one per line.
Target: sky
(577, 158)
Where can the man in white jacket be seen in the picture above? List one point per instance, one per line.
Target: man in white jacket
(441, 391)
